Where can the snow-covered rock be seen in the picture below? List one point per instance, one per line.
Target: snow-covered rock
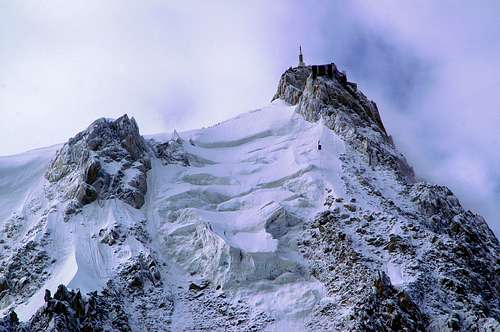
(242, 226)
(345, 110)
(109, 159)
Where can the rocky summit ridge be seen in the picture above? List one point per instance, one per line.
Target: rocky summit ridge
(344, 109)
(243, 226)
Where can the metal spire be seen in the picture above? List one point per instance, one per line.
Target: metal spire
(301, 57)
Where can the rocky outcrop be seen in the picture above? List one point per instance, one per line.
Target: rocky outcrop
(138, 300)
(110, 159)
(140, 271)
(109, 310)
(365, 299)
(69, 310)
(347, 111)
(335, 97)
(24, 272)
(428, 278)
(292, 84)
(171, 151)
(325, 96)
(435, 201)
(10, 323)
(460, 266)
(437, 262)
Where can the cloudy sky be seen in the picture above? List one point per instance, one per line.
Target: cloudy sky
(432, 67)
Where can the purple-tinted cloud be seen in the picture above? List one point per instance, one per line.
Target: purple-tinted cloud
(432, 67)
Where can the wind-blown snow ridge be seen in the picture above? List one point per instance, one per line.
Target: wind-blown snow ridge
(246, 225)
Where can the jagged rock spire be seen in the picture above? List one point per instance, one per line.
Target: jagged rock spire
(82, 168)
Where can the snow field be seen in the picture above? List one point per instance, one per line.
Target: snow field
(232, 217)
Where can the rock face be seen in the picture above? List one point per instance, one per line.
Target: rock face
(345, 110)
(137, 285)
(292, 84)
(368, 299)
(10, 323)
(24, 272)
(350, 250)
(108, 160)
(439, 273)
(171, 151)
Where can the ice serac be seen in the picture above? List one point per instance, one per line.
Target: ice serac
(109, 159)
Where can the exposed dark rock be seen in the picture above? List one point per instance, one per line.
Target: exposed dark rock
(139, 272)
(4, 285)
(435, 200)
(198, 285)
(292, 84)
(109, 159)
(448, 257)
(86, 193)
(10, 323)
(112, 235)
(397, 244)
(68, 310)
(345, 110)
(364, 296)
(171, 151)
(47, 296)
(24, 272)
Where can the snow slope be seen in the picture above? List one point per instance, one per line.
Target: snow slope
(252, 166)
(246, 169)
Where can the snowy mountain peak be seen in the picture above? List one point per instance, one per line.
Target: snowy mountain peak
(299, 216)
(343, 108)
(328, 96)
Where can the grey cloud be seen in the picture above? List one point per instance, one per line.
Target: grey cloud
(432, 67)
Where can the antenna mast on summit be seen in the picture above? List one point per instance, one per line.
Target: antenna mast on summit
(301, 57)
